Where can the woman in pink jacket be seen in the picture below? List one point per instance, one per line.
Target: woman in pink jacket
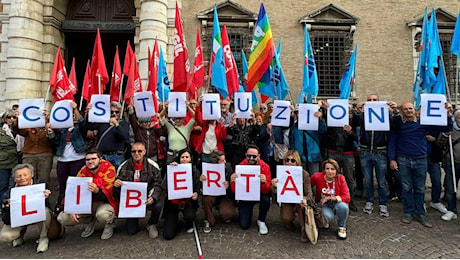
(332, 194)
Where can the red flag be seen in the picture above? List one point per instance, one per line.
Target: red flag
(98, 67)
(153, 72)
(181, 61)
(59, 82)
(231, 72)
(128, 58)
(86, 92)
(116, 79)
(197, 80)
(134, 81)
(73, 78)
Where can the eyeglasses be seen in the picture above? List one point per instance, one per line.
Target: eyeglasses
(114, 112)
(263, 108)
(251, 156)
(91, 159)
(9, 117)
(136, 151)
(291, 160)
(193, 104)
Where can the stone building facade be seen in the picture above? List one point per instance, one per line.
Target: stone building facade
(385, 32)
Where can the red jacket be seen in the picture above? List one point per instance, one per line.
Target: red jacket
(221, 135)
(341, 188)
(265, 170)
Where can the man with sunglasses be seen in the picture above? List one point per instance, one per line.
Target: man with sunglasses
(245, 207)
(141, 169)
(112, 137)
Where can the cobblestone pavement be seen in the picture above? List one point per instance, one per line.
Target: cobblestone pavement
(369, 236)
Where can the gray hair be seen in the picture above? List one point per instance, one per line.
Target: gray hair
(8, 112)
(23, 166)
(115, 105)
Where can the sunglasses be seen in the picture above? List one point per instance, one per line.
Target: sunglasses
(114, 112)
(9, 117)
(251, 156)
(136, 151)
(291, 160)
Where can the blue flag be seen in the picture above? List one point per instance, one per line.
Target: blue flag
(422, 65)
(310, 75)
(273, 82)
(440, 85)
(244, 87)
(434, 52)
(218, 78)
(348, 77)
(162, 81)
(455, 47)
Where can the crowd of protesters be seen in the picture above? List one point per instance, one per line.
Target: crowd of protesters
(338, 162)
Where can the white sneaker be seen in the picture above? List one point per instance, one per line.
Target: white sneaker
(89, 229)
(449, 216)
(190, 230)
(153, 231)
(108, 232)
(263, 229)
(42, 245)
(441, 208)
(368, 208)
(18, 242)
(384, 211)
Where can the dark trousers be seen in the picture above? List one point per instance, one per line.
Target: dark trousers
(66, 169)
(245, 209)
(132, 224)
(171, 215)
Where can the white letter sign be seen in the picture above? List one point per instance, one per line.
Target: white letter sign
(100, 111)
(180, 184)
(215, 177)
(210, 106)
(247, 182)
(307, 119)
(290, 184)
(177, 107)
(78, 198)
(133, 196)
(376, 116)
(337, 112)
(243, 104)
(61, 115)
(281, 113)
(143, 102)
(27, 205)
(31, 113)
(433, 110)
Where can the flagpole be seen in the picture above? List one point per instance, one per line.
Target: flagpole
(99, 82)
(446, 83)
(81, 102)
(121, 86)
(456, 83)
(47, 94)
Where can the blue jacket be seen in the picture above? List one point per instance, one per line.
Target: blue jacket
(76, 137)
(311, 149)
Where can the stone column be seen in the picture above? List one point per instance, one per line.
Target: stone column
(23, 72)
(153, 20)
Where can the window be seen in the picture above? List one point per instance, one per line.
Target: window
(332, 50)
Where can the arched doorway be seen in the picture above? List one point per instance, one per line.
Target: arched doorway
(114, 18)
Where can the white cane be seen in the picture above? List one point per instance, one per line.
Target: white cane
(451, 150)
(197, 240)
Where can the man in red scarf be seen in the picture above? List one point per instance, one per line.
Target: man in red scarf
(104, 206)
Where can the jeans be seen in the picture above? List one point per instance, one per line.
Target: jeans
(132, 224)
(369, 160)
(340, 209)
(434, 169)
(245, 210)
(5, 177)
(346, 162)
(412, 172)
(451, 194)
(115, 160)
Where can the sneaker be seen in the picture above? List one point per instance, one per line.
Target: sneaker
(108, 232)
(263, 229)
(449, 216)
(441, 208)
(368, 208)
(342, 233)
(206, 227)
(384, 211)
(352, 206)
(190, 230)
(89, 230)
(422, 219)
(42, 245)
(18, 242)
(407, 219)
(153, 231)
